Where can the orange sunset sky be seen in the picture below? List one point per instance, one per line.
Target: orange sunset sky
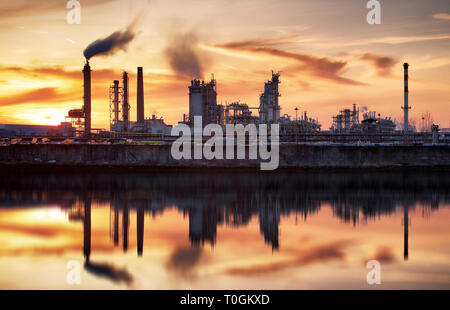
(330, 57)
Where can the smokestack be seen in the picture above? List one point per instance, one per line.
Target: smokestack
(406, 107)
(87, 99)
(116, 101)
(125, 105)
(140, 96)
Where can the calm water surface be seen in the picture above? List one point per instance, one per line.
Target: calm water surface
(217, 230)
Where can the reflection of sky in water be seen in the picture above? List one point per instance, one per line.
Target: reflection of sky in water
(191, 231)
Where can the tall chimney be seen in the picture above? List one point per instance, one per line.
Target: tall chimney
(116, 101)
(125, 105)
(406, 107)
(140, 96)
(87, 99)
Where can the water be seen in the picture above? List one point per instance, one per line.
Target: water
(216, 230)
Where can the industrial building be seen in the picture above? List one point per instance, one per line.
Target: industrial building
(203, 102)
(377, 124)
(240, 113)
(347, 126)
(347, 121)
(119, 107)
(269, 108)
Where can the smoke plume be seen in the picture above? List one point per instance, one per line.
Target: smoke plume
(382, 64)
(183, 57)
(115, 41)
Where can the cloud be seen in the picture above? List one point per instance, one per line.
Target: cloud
(383, 255)
(45, 94)
(42, 72)
(382, 64)
(401, 39)
(98, 75)
(319, 67)
(184, 260)
(444, 16)
(333, 251)
(37, 231)
(183, 55)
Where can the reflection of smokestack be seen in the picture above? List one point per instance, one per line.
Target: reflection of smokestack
(87, 229)
(140, 231)
(405, 232)
(126, 221)
(406, 107)
(125, 105)
(140, 96)
(116, 225)
(87, 99)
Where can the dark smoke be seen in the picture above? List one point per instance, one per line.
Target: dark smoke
(183, 55)
(110, 44)
(110, 272)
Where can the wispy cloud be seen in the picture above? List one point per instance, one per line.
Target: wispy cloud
(388, 40)
(184, 261)
(45, 94)
(383, 255)
(319, 67)
(323, 253)
(444, 16)
(382, 64)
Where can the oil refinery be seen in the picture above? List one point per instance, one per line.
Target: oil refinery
(357, 138)
(351, 124)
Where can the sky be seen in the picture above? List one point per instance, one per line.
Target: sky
(329, 56)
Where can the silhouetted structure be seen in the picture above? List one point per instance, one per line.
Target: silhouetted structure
(87, 99)
(405, 232)
(211, 200)
(140, 231)
(125, 224)
(87, 229)
(140, 95)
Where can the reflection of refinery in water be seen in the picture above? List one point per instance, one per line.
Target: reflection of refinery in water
(265, 202)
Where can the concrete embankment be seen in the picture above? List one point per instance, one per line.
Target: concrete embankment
(290, 156)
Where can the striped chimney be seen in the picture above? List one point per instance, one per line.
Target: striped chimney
(406, 92)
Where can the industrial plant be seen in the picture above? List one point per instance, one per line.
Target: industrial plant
(375, 140)
(350, 125)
